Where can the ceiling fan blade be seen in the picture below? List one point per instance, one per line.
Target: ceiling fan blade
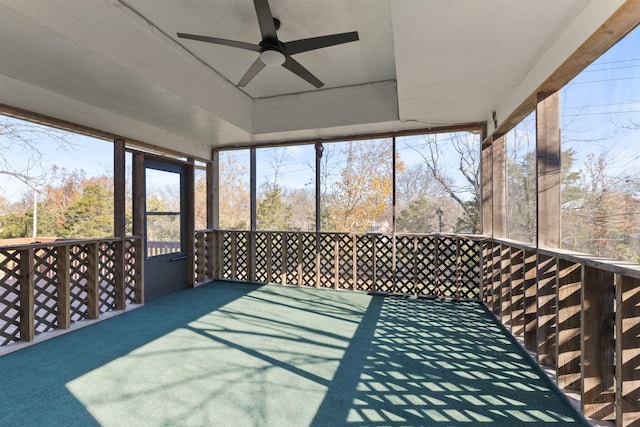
(265, 20)
(296, 68)
(305, 45)
(225, 42)
(255, 68)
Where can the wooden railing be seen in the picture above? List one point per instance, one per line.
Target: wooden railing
(159, 247)
(580, 314)
(577, 313)
(421, 265)
(49, 286)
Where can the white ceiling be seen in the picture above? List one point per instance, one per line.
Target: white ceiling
(117, 65)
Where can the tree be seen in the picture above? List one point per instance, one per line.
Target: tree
(91, 215)
(272, 213)
(459, 181)
(360, 199)
(20, 153)
(234, 193)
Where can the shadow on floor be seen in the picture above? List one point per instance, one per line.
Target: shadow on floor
(237, 354)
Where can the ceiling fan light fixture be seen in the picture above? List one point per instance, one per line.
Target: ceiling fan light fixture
(272, 57)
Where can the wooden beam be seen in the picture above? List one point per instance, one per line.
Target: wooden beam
(119, 221)
(499, 187)
(487, 190)
(119, 190)
(138, 184)
(190, 223)
(213, 192)
(548, 170)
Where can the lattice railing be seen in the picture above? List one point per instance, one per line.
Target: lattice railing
(48, 286)
(9, 295)
(579, 314)
(421, 265)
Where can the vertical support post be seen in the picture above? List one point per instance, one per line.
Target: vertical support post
(487, 188)
(27, 297)
(213, 191)
(505, 285)
(487, 277)
(499, 182)
(516, 273)
(598, 319)
(93, 278)
(569, 309)
(300, 265)
(318, 223)
(233, 257)
(548, 170)
(253, 189)
(220, 253)
(414, 254)
(546, 331)
(283, 255)
(354, 262)
(213, 214)
(336, 261)
(627, 351)
(497, 278)
(119, 222)
(190, 226)
(269, 258)
(201, 262)
(213, 251)
(530, 300)
(374, 261)
(139, 203)
(251, 250)
(63, 287)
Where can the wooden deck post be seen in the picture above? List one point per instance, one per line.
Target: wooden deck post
(93, 280)
(119, 222)
(190, 231)
(546, 330)
(530, 300)
(516, 272)
(63, 287)
(548, 170)
(487, 188)
(505, 285)
(598, 298)
(499, 185)
(569, 312)
(138, 196)
(27, 297)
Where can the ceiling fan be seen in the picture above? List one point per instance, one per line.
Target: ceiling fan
(272, 51)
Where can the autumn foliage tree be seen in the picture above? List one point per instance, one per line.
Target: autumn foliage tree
(360, 198)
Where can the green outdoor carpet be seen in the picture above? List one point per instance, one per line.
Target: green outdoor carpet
(230, 354)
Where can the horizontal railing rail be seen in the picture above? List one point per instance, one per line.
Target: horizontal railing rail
(45, 286)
